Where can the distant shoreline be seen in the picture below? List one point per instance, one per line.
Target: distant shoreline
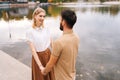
(69, 3)
(92, 3)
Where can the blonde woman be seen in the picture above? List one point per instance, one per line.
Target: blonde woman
(39, 40)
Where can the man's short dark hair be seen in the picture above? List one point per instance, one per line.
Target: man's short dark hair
(70, 17)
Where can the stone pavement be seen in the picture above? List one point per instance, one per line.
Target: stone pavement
(12, 69)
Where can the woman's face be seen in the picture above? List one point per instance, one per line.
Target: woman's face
(40, 18)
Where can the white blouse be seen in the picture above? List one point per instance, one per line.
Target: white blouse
(40, 37)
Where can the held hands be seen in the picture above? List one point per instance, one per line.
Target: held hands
(43, 70)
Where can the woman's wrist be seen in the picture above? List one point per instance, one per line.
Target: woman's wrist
(41, 67)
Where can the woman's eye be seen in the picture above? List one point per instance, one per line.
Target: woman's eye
(42, 16)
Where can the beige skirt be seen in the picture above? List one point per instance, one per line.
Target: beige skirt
(36, 73)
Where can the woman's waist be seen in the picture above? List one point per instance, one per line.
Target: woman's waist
(43, 51)
(41, 48)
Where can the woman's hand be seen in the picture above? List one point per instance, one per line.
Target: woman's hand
(43, 70)
(41, 67)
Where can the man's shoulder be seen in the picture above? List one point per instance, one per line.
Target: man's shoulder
(76, 36)
(57, 40)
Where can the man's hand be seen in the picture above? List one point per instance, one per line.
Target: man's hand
(49, 66)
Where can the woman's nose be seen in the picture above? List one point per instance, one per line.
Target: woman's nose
(42, 17)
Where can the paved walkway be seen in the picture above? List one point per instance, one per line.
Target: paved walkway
(12, 69)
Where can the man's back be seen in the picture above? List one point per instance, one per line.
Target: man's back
(66, 49)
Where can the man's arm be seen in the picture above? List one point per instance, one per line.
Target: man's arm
(50, 64)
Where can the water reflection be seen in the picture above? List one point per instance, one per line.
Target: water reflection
(113, 10)
(19, 13)
(97, 26)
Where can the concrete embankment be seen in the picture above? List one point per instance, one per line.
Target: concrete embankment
(12, 69)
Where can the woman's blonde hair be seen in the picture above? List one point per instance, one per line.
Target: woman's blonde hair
(36, 12)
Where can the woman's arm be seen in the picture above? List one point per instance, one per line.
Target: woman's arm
(35, 55)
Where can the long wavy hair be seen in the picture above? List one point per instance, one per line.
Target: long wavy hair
(36, 12)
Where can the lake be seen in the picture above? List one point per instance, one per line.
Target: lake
(98, 26)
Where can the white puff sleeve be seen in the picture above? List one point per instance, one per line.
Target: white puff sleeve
(29, 36)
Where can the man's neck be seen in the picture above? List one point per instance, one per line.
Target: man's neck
(66, 29)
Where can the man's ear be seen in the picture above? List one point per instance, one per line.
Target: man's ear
(63, 22)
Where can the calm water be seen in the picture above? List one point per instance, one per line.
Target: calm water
(98, 27)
